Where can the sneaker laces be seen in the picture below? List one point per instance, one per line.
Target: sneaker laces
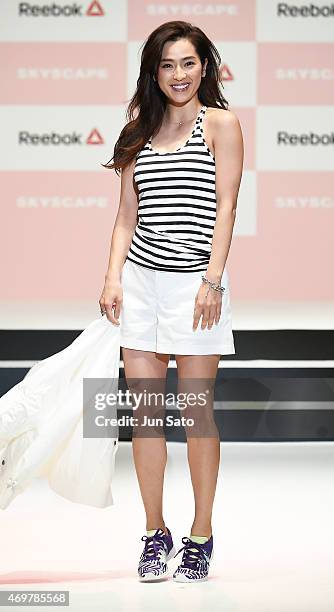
(193, 553)
(153, 544)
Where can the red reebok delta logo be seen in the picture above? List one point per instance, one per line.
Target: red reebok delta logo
(95, 138)
(95, 9)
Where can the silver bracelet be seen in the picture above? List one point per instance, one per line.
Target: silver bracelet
(214, 286)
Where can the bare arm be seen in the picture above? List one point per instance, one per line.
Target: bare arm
(229, 153)
(125, 224)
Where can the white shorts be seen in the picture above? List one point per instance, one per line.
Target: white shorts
(158, 310)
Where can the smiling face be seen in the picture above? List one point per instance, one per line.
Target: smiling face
(180, 66)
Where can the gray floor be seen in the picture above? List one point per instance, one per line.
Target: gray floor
(272, 525)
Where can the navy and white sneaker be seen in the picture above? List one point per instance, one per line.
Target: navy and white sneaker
(158, 549)
(195, 563)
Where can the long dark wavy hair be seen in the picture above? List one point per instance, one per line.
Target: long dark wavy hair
(149, 101)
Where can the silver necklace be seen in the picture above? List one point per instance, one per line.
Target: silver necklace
(182, 122)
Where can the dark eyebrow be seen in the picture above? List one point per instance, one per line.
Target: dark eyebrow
(168, 59)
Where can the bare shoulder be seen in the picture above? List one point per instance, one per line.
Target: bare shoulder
(219, 117)
(225, 129)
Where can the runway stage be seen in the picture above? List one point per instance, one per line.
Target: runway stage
(272, 525)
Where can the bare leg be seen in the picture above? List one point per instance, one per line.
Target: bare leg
(203, 452)
(150, 454)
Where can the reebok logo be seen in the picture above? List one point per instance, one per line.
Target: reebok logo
(284, 138)
(284, 9)
(55, 139)
(27, 9)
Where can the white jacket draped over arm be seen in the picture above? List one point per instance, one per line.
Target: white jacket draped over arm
(41, 422)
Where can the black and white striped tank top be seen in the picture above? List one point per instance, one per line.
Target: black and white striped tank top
(176, 205)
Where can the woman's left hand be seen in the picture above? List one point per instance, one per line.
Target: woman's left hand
(208, 304)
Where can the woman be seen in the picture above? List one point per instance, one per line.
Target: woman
(181, 157)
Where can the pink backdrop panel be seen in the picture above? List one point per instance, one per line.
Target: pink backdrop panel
(58, 231)
(295, 73)
(63, 73)
(291, 257)
(220, 20)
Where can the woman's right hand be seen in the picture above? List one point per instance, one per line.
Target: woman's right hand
(111, 299)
